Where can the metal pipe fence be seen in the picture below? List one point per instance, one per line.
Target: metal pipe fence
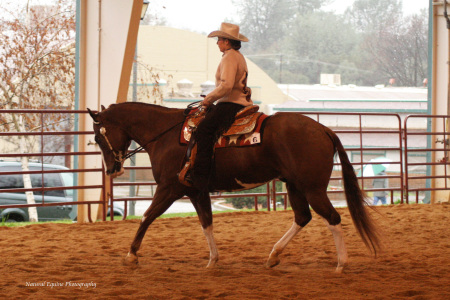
(369, 136)
(429, 174)
(336, 191)
(45, 128)
(366, 136)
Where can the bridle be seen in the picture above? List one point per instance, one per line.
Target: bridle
(118, 156)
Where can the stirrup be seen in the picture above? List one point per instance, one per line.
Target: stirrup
(185, 177)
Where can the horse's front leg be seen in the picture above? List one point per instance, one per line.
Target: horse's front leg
(162, 201)
(213, 252)
(202, 204)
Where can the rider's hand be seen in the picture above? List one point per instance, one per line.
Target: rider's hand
(205, 104)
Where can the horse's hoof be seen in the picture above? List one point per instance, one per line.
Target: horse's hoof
(339, 269)
(272, 262)
(211, 264)
(131, 260)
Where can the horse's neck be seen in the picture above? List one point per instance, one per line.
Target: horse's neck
(144, 122)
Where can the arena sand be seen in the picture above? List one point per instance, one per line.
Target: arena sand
(84, 261)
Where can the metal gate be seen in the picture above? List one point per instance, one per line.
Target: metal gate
(370, 139)
(426, 157)
(54, 134)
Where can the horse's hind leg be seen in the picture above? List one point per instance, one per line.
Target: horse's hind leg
(321, 204)
(302, 217)
(338, 236)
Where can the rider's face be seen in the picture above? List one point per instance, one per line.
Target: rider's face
(223, 44)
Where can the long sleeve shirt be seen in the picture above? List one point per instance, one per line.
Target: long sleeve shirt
(231, 80)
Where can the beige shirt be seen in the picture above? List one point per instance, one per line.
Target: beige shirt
(231, 79)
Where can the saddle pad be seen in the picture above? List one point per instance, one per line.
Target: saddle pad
(244, 132)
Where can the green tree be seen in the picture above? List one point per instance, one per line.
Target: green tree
(263, 21)
(395, 46)
(266, 22)
(322, 41)
(249, 202)
(402, 53)
(294, 41)
(374, 15)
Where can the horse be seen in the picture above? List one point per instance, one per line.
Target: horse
(295, 149)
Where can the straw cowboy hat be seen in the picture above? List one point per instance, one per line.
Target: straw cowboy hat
(229, 31)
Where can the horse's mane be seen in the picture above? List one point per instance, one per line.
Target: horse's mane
(146, 105)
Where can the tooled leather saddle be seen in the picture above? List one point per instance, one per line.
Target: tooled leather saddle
(245, 131)
(247, 121)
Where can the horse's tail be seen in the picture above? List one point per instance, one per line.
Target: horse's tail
(356, 199)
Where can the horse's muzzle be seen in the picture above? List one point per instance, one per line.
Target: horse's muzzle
(116, 171)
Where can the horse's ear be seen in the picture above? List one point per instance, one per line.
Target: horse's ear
(103, 108)
(93, 115)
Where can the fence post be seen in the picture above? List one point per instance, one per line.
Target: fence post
(274, 194)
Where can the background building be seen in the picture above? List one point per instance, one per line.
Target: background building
(173, 64)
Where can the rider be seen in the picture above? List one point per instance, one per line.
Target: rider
(231, 94)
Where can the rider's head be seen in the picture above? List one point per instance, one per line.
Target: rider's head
(230, 32)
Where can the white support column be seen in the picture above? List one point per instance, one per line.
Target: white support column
(440, 86)
(108, 30)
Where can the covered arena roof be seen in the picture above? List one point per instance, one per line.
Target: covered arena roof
(353, 99)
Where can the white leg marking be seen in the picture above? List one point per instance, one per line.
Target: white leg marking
(281, 244)
(213, 252)
(338, 236)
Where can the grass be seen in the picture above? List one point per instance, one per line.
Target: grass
(117, 218)
(20, 224)
(184, 215)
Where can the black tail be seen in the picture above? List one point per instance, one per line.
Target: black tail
(356, 199)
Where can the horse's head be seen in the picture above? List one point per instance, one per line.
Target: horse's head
(113, 142)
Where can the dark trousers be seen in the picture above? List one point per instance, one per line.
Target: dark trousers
(217, 121)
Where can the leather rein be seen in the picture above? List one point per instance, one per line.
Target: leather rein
(118, 154)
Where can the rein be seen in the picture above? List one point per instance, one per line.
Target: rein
(118, 155)
(130, 154)
(189, 107)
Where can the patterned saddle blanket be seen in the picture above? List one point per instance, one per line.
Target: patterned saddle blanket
(245, 131)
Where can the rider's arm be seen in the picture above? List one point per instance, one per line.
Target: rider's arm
(225, 79)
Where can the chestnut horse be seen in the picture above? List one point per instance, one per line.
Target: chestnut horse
(294, 148)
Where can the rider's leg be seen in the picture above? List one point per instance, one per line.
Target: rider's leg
(216, 121)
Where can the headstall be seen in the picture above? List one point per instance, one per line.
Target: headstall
(118, 157)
